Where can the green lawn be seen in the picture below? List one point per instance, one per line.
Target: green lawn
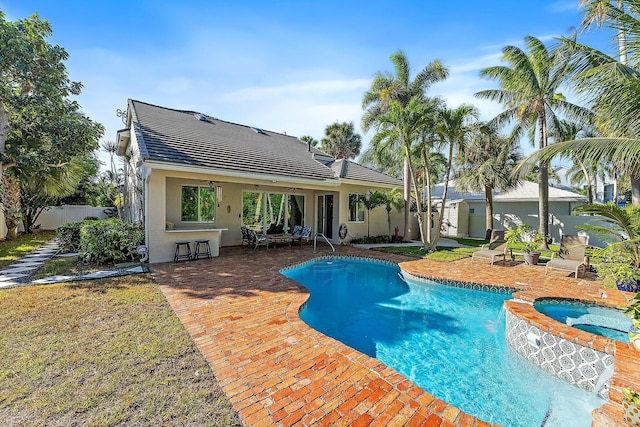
(447, 254)
(12, 250)
(102, 353)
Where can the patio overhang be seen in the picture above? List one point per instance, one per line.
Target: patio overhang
(263, 178)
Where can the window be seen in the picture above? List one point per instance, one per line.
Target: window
(198, 203)
(278, 207)
(356, 208)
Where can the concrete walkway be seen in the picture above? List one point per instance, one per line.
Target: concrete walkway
(19, 272)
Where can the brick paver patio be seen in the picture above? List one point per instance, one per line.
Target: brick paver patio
(243, 316)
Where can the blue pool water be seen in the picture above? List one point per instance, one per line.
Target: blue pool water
(605, 321)
(450, 341)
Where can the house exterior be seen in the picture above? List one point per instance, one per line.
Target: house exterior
(192, 176)
(464, 214)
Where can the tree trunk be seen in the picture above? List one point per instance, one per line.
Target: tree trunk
(444, 197)
(407, 195)
(622, 38)
(11, 206)
(428, 190)
(543, 184)
(488, 199)
(419, 207)
(388, 208)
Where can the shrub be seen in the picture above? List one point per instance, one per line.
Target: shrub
(376, 239)
(110, 241)
(91, 218)
(69, 235)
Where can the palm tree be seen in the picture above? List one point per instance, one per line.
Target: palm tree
(41, 187)
(341, 141)
(486, 165)
(595, 13)
(392, 199)
(530, 93)
(372, 200)
(453, 130)
(613, 87)
(387, 89)
(401, 126)
(309, 140)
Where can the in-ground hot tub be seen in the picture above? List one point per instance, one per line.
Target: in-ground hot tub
(605, 321)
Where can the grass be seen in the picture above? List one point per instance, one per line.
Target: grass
(66, 266)
(445, 254)
(102, 353)
(12, 250)
(448, 254)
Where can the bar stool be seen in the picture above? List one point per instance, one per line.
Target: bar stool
(178, 256)
(206, 246)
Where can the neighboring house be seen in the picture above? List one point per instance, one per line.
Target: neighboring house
(464, 213)
(605, 185)
(192, 176)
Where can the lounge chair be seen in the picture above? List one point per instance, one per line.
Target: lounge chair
(571, 256)
(256, 239)
(496, 249)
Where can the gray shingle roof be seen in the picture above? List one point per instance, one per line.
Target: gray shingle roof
(525, 191)
(351, 170)
(182, 137)
(179, 137)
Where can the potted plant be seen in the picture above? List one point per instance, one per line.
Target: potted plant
(619, 262)
(633, 310)
(530, 241)
(631, 405)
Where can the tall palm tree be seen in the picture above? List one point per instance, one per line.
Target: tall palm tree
(595, 13)
(486, 165)
(341, 140)
(529, 91)
(453, 130)
(614, 91)
(386, 89)
(400, 127)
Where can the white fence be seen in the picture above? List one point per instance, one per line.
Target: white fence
(559, 225)
(55, 216)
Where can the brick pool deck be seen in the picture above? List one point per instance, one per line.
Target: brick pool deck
(243, 316)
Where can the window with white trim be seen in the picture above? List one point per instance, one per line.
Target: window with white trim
(356, 207)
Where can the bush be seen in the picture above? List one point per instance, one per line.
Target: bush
(110, 241)
(376, 239)
(69, 235)
(91, 218)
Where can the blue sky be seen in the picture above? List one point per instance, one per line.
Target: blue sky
(285, 66)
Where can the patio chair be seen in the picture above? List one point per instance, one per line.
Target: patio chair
(245, 236)
(305, 234)
(496, 249)
(571, 256)
(256, 239)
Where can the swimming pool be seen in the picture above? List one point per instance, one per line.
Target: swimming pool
(605, 321)
(449, 341)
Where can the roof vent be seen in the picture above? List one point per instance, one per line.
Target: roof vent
(258, 130)
(201, 117)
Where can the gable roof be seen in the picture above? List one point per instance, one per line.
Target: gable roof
(190, 138)
(526, 191)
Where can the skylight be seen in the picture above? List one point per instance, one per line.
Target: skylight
(258, 130)
(201, 117)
